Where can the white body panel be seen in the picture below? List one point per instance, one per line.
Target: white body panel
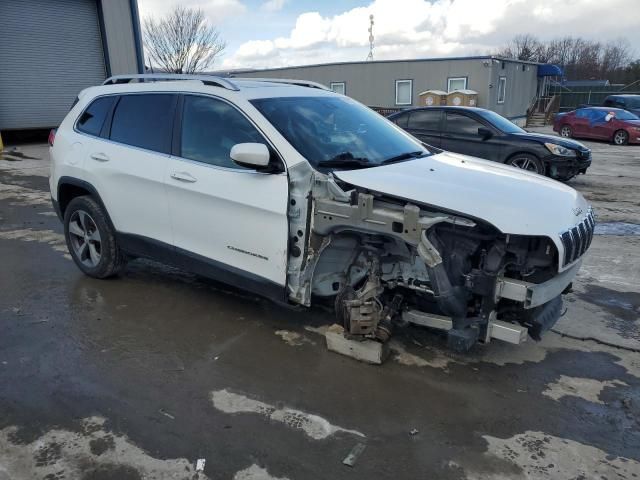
(512, 200)
(130, 181)
(235, 217)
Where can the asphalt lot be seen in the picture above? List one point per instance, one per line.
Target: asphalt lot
(140, 376)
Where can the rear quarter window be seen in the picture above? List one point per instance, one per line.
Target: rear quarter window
(145, 121)
(93, 117)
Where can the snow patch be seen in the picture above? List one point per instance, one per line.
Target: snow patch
(585, 388)
(49, 237)
(254, 472)
(24, 196)
(405, 358)
(313, 426)
(292, 338)
(542, 456)
(66, 454)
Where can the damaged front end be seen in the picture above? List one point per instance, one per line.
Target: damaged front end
(387, 262)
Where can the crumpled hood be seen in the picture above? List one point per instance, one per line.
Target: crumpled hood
(541, 137)
(514, 201)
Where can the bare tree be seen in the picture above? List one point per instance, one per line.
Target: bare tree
(182, 42)
(580, 58)
(522, 47)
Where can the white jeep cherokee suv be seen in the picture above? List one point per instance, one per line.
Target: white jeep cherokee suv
(288, 190)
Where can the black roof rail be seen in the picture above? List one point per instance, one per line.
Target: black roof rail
(168, 77)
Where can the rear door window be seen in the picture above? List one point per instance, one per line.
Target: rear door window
(461, 124)
(145, 121)
(92, 119)
(425, 120)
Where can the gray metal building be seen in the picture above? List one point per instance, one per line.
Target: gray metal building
(508, 87)
(50, 50)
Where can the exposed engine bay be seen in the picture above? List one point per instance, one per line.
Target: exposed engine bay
(388, 262)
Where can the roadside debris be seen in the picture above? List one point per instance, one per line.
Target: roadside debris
(200, 464)
(166, 414)
(368, 351)
(356, 451)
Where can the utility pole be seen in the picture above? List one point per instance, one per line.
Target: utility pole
(370, 56)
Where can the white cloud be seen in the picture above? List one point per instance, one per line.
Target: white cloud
(421, 28)
(273, 5)
(215, 10)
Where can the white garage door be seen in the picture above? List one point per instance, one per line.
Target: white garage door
(49, 51)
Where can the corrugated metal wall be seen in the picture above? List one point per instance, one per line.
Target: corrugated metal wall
(522, 85)
(49, 51)
(118, 26)
(373, 83)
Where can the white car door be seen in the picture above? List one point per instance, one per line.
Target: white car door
(228, 221)
(128, 169)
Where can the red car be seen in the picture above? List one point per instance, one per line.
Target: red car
(602, 123)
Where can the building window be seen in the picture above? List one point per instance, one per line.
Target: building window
(502, 89)
(456, 83)
(339, 87)
(404, 92)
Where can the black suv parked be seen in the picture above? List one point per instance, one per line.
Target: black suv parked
(485, 134)
(627, 102)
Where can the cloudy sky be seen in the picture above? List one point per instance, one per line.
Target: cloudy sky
(273, 33)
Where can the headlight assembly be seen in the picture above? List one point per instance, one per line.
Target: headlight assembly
(560, 150)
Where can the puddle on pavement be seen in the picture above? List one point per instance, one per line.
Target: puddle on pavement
(623, 308)
(617, 228)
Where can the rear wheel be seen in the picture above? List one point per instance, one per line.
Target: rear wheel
(90, 239)
(527, 162)
(620, 137)
(566, 131)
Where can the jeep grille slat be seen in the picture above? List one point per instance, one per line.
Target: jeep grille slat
(576, 240)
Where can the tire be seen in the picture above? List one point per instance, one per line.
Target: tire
(91, 240)
(528, 162)
(566, 131)
(621, 137)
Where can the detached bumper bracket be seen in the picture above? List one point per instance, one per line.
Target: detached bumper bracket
(535, 294)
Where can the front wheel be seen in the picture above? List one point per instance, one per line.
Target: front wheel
(566, 131)
(620, 137)
(527, 162)
(90, 239)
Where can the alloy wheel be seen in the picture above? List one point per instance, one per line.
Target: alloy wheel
(525, 164)
(565, 131)
(620, 138)
(85, 238)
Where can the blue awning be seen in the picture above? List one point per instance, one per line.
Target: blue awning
(549, 70)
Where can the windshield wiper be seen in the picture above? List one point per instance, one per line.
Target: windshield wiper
(405, 156)
(345, 159)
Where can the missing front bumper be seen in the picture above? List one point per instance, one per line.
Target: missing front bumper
(533, 295)
(507, 332)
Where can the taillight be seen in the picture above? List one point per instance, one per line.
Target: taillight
(52, 136)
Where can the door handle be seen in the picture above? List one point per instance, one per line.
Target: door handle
(183, 177)
(100, 157)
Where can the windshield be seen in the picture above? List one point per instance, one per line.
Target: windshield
(337, 132)
(623, 115)
(501, 123)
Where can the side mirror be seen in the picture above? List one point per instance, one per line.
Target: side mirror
(485, 133)
(250, 155)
